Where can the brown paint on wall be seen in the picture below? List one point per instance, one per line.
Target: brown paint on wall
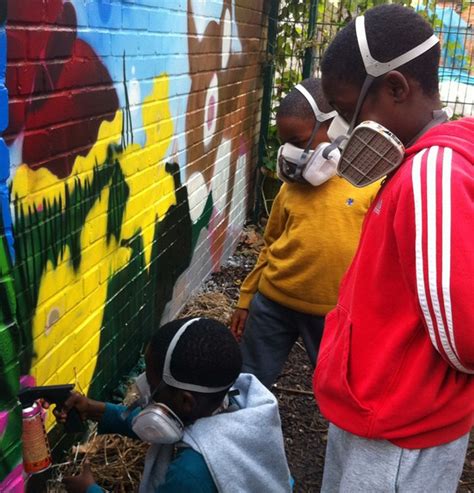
(238, 89)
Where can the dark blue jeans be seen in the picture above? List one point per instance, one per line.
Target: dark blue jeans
(270, 332)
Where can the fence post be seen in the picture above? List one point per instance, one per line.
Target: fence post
(268, 70)
(309, 52)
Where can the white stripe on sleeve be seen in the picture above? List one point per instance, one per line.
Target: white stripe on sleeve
(432, 250)
(420, 280)
(446, 259)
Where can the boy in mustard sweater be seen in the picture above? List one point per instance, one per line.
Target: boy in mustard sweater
(310, 238)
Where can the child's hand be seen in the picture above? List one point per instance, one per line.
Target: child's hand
(80, 483)
(75, 400)
(87, 408)
(237, 324)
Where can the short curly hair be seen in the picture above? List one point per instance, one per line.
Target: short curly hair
(391, 31)
(295, 104)
(207, 353)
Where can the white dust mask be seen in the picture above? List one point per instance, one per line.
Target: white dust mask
(316, 169)
(297, 165)
(158, 424)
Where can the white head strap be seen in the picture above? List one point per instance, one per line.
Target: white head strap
(376, 68)
(171, 381)
(320, 115)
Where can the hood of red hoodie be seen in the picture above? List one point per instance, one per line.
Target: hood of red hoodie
(458, 135)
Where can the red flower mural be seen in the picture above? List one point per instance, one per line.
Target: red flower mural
(57, 84)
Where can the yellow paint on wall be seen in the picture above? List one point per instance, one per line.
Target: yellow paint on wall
(69, 313)
(149, 185)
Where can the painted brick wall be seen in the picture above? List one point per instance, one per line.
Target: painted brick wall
(131, 138)
(10, 418)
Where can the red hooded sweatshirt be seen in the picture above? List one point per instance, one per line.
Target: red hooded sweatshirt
(397, 357)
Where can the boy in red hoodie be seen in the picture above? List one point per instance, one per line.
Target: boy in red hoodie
(395, 373)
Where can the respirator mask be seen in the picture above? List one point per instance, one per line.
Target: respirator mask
(296, 165)
(157, 423)
(370, 151)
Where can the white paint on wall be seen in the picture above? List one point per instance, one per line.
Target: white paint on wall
(220, 178)
(197, 195)
(210, 110)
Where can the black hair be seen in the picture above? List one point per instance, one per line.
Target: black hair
(207, 353)
(391, 31)
(295, 104)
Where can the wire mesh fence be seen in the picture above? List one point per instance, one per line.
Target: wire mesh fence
(452, 22)
(300, 31)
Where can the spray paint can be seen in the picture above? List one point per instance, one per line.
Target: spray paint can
(36, 452)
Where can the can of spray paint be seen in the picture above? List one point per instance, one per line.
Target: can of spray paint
(36, 452)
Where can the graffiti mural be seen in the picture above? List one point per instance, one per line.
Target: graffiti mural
(130, 165)
(10, 336)
(10, 414)
(218, 122)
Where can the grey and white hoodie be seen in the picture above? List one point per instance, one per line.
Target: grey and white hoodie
(242, 447)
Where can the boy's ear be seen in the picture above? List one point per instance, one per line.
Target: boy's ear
(188, 402)
(397, 86)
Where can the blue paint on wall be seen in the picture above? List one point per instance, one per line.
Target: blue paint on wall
(4, 154)
(129, 28)
(105, 9)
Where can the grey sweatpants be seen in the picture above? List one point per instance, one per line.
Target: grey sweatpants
(270, 332)
(358, 465)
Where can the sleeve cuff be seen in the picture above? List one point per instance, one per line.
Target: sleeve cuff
(112, 420)
(244, 300)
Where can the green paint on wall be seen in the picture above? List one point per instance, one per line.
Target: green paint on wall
(43, 235)
(203, 219)
(137, 296)
(10, 450)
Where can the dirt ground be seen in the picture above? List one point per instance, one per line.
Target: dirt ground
(305, 430)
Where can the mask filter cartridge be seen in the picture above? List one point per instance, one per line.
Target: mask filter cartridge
(371, 153)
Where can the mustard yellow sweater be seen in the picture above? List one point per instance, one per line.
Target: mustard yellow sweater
(310, 238)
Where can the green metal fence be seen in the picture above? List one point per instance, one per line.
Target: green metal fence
(452, 22)
(299, 32)
(291, 54)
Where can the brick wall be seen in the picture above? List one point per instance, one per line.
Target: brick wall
(131, 139)
(10, 419)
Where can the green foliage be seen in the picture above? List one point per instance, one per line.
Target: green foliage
(271, 149)
(292, 41)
